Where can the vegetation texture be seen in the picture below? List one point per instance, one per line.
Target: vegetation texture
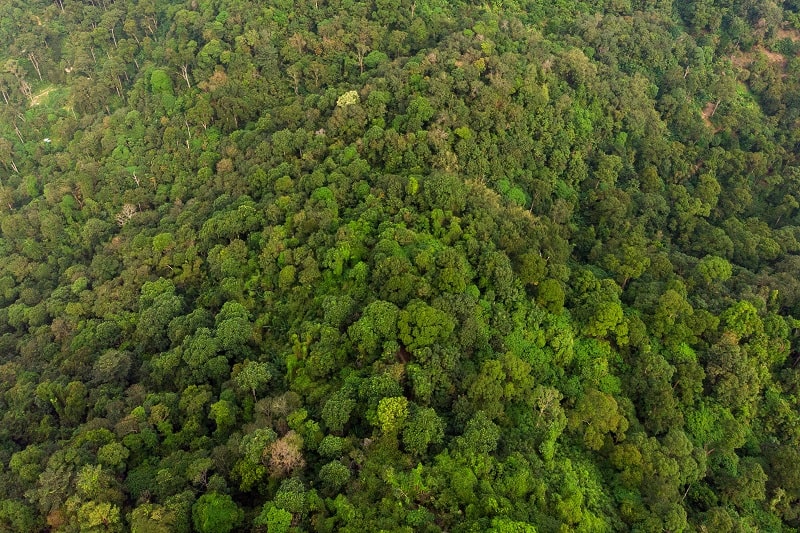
(399, 265)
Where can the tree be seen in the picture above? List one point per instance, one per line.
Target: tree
(157, 518)
(481, 435)
(600, 307)
(596, 415)
(233, 330)
(216, 513)
(532, 269)
(550, 295)
(274, 518)
(420, 325)
(99, 516)
(711, 269)
(291, 496)
(334, 475)
(158, 305)
(201, 354)
(337, 410)
(628, 259)
(254, 448)
(252, 376)
(16, 516)
(377, 324)
(506, 525)
(392, 414)
(742, 319)
(223, 413)
(286, 454)
(112, 366)
(423, 429)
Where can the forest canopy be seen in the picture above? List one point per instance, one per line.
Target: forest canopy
(399, 265)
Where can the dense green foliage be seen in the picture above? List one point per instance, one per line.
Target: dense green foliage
(401, 265)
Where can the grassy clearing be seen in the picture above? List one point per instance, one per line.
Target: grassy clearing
(42, 95)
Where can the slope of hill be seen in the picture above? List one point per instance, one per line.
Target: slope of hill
(402, 265)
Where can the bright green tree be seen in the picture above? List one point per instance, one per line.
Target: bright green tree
(216, 513)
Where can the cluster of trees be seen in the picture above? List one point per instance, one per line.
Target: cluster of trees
(406, 265)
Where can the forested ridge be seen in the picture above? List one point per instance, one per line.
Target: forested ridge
(399, 265)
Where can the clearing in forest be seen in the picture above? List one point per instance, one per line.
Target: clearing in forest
(745, 59)
(708, 112)
(39, 97)
(788, 33)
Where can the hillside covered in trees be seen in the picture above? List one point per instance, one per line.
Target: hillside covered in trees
(399, 265)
